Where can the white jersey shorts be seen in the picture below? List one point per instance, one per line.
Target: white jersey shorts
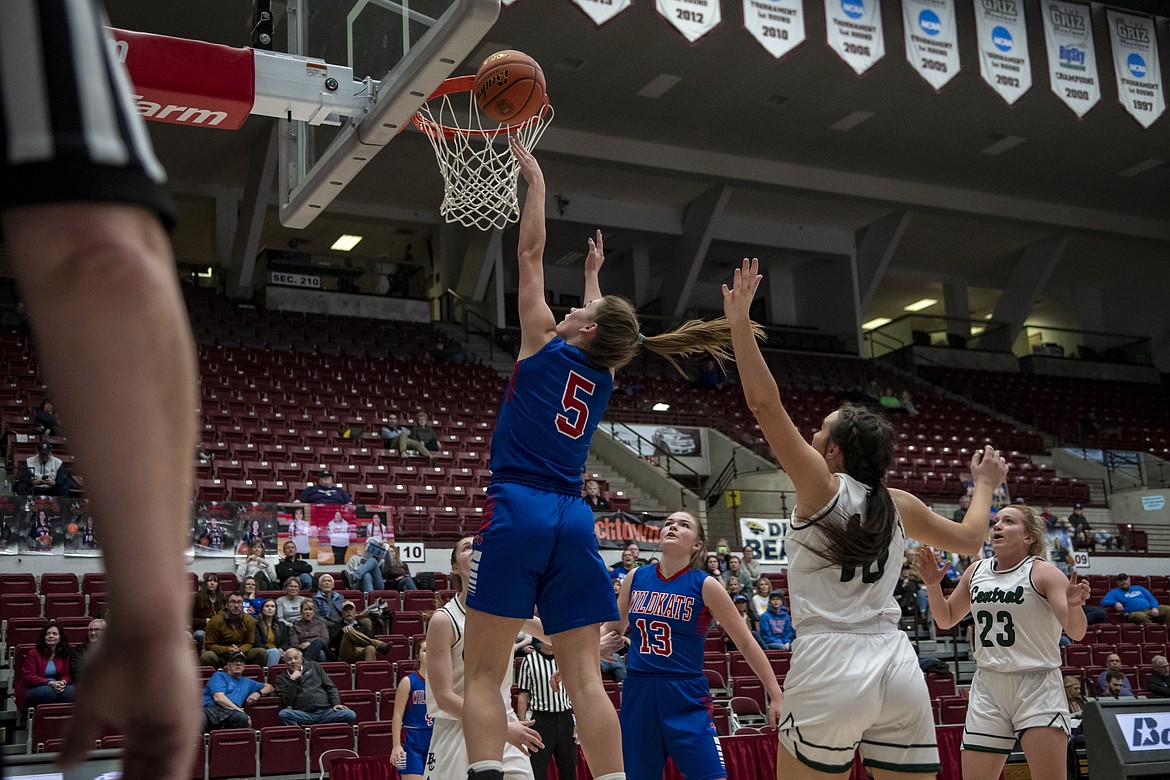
(1003, 705)
(447, 758)
(849, 691)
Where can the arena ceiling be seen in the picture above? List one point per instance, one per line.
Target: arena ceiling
(770, 130)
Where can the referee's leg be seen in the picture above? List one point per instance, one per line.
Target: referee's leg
(546, 727)
(565, 748)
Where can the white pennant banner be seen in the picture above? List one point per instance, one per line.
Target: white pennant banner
(777, 24)
(932, 47)
(854, 30)
(1003, 47)
(692, 18)
(1135, 61)
(1072, 58)
(601, 11)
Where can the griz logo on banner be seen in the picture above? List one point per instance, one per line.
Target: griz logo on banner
(1066, 22)
(1007, 7)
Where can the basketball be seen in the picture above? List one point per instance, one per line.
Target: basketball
(509, 87)
(72, 528)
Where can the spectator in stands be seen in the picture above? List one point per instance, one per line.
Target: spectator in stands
(364, 569)
(1078, 519)
(288, 606)
(908, 404)
(1048, 517)
(889, 400)
(1074, 697)
(230, 632)
(310, 634)
(271, 633)
(910, 594)
(616, 662)
(712, 567)
(593, 497)
(723, 550)
(711, 376)
(45, 421)
(1158, 683)
(329, 603)
(761, 595)
(951, 575)
(735, 570)
(251, 593)
(325, 492)
(209, 602)
(1113, 666)
(15, 320)
(450, 351)
(309, 695)
(1114, 685)
(299, 530)
(396, 436)
(43, 474)
(338, 531)
(627, 564)
(256, 566)
(743, 607)
(749, 562)
(291, 565)
(44, 677)
(423, 432)
(961, 512)
(228, 693)
(1138, 604)
(77, 654)
(734, 588)
(357, 637)
(775, 624)
(395, 573)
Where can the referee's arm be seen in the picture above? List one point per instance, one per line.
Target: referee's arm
(522, 705)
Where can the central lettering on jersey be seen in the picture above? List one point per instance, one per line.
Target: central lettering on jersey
(668, 605)
(997, 595)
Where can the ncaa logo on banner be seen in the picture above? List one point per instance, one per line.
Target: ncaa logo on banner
(1001, 39)
(929, 22)
(853, 29)
(854, 9)
(931, 44)
(1136, 65)
(1003, 65)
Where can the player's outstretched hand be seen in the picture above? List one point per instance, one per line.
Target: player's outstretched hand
(144, 687)
(989, 467)
(522, 735)
(1078, 591)
(596, 257)
(928, 568)
(737, 300)
(529, 167)
(611, 642)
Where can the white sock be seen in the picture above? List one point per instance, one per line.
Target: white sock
(486, 766)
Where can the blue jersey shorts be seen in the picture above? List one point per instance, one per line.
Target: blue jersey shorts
(669, 716)
(417, 743)
(537, 548)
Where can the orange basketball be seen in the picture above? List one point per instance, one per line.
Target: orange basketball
(46, 539)
(509, 87)
(72, 528)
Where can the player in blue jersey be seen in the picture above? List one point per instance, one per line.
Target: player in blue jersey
(666, 702)
(855, 682)
(536, 546)
(412, 726)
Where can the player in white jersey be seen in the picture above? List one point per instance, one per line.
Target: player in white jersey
(854, 681)
(1020, 603)
(447, 759)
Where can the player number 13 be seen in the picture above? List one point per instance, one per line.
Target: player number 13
(655, 637)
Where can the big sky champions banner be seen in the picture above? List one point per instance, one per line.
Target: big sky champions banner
(777, 24)
(692, 18)
(854, 31)
(601, 11)
(766, 538)
(1135, 61)
(1003, 47)
(932, 47)
(1072, 58)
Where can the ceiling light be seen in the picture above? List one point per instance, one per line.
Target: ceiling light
(659, 85)
(661, 407)
(850, 121)
(977, 329)
(345, 242)
(925, 303)
(876, 322)
(988, 315)
(1140, 168)
(1001, 144)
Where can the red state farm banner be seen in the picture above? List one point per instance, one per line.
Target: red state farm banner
(185, 82)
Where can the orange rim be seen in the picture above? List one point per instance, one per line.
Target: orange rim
(466, 84)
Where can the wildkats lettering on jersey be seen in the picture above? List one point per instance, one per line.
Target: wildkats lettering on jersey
(669, 605)
(997, 595)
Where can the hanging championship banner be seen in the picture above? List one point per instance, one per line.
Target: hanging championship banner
(1003, 47)
(1072, 58)
(854, 30)
(932, 47)
(601, 11)
(1135, 61)
(778, 25)
(692, 18)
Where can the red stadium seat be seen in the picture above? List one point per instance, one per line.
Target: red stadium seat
(363, 702)
(329, 736)
(231, 751)
(265, 712)
(24, 630)
(94, 582)
(341, 674)
(375, 738)
(13, 584)
(373, 675)
(20, 605)
(284, 751)
(386, 703)
(59, 605)
(49, 722)
(60, 582)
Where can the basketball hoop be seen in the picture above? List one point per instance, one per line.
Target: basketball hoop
(480, 175)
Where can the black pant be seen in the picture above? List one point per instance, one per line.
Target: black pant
(556, 730)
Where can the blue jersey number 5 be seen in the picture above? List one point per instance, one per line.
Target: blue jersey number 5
(571, 400)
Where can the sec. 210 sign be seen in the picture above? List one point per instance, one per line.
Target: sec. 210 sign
(411, 552)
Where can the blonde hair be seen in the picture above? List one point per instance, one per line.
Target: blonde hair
(1033, 524)
(619, 335)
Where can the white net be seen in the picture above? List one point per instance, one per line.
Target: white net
(479, 172)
